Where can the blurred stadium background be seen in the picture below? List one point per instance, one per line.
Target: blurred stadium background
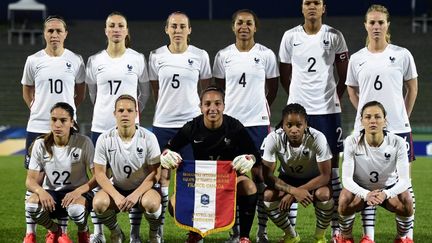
(211, 31)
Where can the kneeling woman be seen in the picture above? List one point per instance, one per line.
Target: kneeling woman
(375, 171)
(64, 156)
(304, 173)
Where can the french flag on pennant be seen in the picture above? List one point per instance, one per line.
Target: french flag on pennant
(205, 196)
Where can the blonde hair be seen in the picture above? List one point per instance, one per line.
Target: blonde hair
(380, 9)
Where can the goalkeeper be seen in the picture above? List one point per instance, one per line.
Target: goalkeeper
(215, 136)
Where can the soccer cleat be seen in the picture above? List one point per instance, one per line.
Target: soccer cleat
(194, 238)
(30, 238)
(117, 237)
(366, 239)
(262, 238)
(339, 239)
(51, 237)
(84, 237)
(64, 238)
(233, 238)
(320, 239)
(97, 238)
(405, 239)
(245, 240)
(290, 239)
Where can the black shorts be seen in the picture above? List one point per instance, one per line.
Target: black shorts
(294, 181)
(61, 212)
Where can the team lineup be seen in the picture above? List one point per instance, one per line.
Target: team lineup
(221, 112)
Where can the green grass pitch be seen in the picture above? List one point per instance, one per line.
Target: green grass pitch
(12, 226)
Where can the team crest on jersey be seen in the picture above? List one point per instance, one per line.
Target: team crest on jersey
(129, 67)
(68, 65)
(190, 62)
(326, 44)
(392, 59)
(387, 156)
(75, 155)
(205, 199)
(227, 141)
(140, 152)
(305, 152)
(257, 60)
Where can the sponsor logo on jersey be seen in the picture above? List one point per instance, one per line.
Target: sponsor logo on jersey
(45, 157)
(129, 67)
(198, 141)
(111, 150)
(392, 59)
(227, 61)
(297, 44)
(100, 69)
(190, 61)
(361, 64)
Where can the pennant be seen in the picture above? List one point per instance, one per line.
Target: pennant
(205, 196)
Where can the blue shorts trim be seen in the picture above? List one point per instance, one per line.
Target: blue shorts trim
(330, 126)
(94, 137)
(30, 138)
(409, 143)
(258, 134)
(163, 136)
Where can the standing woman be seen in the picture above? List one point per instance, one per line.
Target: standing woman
(304, 172)
(112, 72)
(64, 157)
(248, 73)
(54, 74)
(177, 71)
(381, 71)
(375, 171)
(308, 54)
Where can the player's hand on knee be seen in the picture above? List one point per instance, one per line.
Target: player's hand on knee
(170, 159)
(243, 163)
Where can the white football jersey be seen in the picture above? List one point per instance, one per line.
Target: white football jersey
(54, 80)
(297, 162)
(245, 75)
(367, 168)
(67, 168)
(312, 58)
(178, 75)
(114, 77)
(128, 161)
(380, 77)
